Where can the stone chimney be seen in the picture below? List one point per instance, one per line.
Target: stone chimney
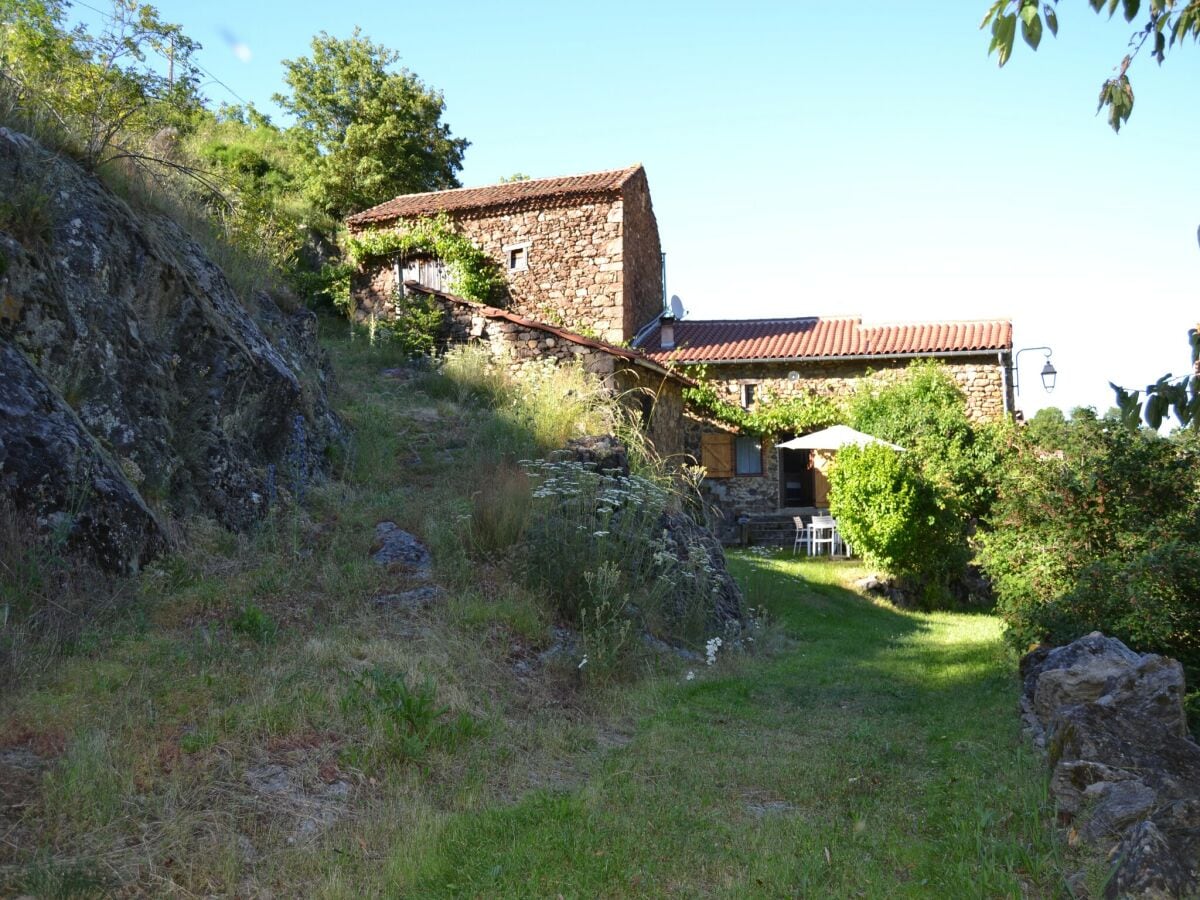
(666, 331)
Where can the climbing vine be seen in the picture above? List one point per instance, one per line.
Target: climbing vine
(473, 274)
(771, 415)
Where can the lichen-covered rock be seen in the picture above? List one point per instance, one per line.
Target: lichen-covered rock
(50, 463)
(603, 452)
(206, 400)
(690, 542)
(1113, 723)
(396, 547)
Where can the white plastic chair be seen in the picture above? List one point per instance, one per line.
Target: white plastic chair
(822, 532)
(801, 535)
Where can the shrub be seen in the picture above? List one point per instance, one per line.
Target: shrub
(891, 513)
(255, 624)
(417, 325)
(583, 522)
(925, 412)
(409, 716)
(912, 513)
(1101, 533)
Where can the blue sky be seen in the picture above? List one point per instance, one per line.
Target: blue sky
(823, 158)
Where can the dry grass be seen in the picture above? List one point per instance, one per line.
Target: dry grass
(195, 747)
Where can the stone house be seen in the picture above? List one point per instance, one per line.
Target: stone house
(581, 252)
(582, 265)
(750, 359)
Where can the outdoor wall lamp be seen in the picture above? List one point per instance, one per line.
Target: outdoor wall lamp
(1049, 373)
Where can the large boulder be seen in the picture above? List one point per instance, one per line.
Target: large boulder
(1113, 724)
(690, 542)
(205, 399)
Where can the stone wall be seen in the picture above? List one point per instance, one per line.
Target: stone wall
(574, 264)
(522, 348)
(642, 275)
(981, 379)
(374, 290)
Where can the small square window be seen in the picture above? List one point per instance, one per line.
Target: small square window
(748, 393)
(518, 259)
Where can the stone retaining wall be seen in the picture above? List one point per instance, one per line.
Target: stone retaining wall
(524, 348)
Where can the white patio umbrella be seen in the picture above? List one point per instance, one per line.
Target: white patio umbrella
(833, 438)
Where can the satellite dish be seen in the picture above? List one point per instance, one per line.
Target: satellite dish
(677, 309)
(793, 376)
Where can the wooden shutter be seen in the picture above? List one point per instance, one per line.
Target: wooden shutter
(716, 454)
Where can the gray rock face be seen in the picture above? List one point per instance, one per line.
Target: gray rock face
(602, 451)
(396, 547)
(204, 401)
(1113, 723)
(50, 463)
(681, 533)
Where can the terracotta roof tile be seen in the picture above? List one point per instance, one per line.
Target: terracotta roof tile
(740, 340)
(511, 194)
(637, 357)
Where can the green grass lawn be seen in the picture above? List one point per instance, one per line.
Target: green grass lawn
(864, 751)
(876, 753)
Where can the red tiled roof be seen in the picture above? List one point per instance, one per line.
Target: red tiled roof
(743, 340)
(636, 357)
(513, 193)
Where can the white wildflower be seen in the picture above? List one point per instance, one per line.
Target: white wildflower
(583, 662)
(691, 676)
(710, 650)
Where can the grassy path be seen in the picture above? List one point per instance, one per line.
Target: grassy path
(878, 754)
(203, 743)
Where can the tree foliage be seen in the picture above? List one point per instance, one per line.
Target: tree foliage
(1098, 527)
(1180, 396)
(913, 512)
(1164, 23)
(890, 511)
(926, 413)
(369, 132)
(107, 89)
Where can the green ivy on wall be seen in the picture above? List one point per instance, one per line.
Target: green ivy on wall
(771, 415)
(473, 274)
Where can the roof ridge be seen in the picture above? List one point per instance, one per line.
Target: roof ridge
(892, 324)
(770, 321)
(629, 172)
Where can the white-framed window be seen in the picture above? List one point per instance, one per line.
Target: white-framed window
(748, 456)
(516, 257)
(749, 391)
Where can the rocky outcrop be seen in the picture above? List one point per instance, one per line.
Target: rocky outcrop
(175, 392)
(602, 452)
(1126, 773)
(694, 546)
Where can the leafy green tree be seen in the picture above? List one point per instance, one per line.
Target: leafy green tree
(111, 90)
(889, 511)
(369, 132)
(1167, 395)
(1047, 428)
(925, 412)
(1102, 532)
(1164, 23)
